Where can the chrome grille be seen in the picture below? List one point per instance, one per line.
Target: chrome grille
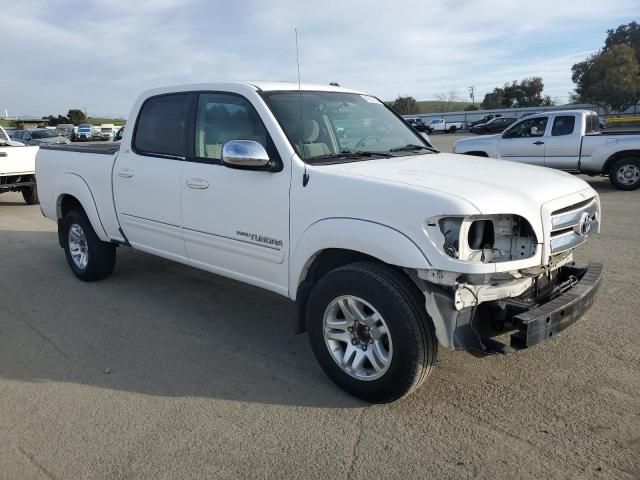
(572, 226)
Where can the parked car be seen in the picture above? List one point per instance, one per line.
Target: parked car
(39, 136)
(385, 246)
(107, 131)
(419, 125)
(65, 130)
(117, 138)
(440, 125)
(85, 132)
(567, 140)
(484, 119)
(495, 125)
(17, 168)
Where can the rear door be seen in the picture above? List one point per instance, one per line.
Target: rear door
(525, 141)
(146, 176)
(562, 148)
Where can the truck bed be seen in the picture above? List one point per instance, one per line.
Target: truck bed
(86, 170)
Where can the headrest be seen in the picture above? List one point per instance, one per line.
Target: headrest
(310, 131)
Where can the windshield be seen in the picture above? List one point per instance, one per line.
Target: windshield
(328, 124)
(84, 127)
(106, 130)
(3, 137)
(38, 134)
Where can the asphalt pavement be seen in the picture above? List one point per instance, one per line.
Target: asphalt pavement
(164, 371)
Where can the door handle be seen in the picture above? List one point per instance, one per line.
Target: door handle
(538, 143)
(197, 183)
(125, 173)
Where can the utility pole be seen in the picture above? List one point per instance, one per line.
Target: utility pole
(472, 94)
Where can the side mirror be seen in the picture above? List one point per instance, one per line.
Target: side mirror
(245, 154)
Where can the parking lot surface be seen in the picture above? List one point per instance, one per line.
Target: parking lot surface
(164, 371)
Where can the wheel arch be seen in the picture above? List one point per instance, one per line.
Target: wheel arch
(72, 191)
(477, 153)
(332, 243)
(617, 155)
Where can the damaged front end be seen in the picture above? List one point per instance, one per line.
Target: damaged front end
(472, 316)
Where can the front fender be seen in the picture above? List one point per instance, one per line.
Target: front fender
(373, 239)
(74, 185)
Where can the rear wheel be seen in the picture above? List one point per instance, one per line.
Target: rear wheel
(30, 195)
(370, 332)
(624, 173)
(452, 129)
(89, 257)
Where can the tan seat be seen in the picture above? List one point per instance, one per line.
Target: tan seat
(311, 148)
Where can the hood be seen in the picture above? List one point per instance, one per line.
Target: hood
(491, 186)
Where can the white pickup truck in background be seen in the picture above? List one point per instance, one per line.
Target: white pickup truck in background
(568, 140)
(17, 168)
(440, 125)
(326, 196)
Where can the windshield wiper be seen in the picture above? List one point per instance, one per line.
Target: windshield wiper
(348, 154)
(411, 147)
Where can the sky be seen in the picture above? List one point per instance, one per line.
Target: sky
(100, 55)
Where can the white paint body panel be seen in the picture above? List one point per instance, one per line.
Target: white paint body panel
(378, 207)
(17, 160)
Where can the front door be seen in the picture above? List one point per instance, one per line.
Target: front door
(525, 141)
(147, 175)
(235, 222)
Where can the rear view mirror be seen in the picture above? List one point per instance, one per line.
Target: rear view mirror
(245, 154)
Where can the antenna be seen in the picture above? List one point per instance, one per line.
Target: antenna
(305, 175)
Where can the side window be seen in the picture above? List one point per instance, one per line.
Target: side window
(221, 118)
(534, 127)
(18, 134)
(161, 126)
(563, 125)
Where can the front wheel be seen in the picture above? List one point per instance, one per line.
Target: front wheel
(370, 332)
(624, 173)
(89, 257)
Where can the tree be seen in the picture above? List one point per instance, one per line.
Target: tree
(610, 76)
(52, 121)
(405, 105)
(446, 100)
(526, 93)
(76, 116)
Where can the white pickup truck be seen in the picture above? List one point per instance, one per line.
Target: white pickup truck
(385, 246)
(17, 168)
(568, 140)
(441, 125)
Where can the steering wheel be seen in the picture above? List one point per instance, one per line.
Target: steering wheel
(365, 138)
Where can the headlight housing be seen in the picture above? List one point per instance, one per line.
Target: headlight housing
(483, 238)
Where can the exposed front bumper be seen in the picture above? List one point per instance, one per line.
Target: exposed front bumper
(543, 322)
(528, 322)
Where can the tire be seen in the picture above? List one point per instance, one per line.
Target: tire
(30, 195)
(452, 130)
(624, 173)
(410, 341)
(99, 257)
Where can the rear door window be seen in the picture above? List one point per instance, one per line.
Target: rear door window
(161, 127)
(563, 125)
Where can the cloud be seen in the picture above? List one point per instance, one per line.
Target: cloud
(103, 55)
